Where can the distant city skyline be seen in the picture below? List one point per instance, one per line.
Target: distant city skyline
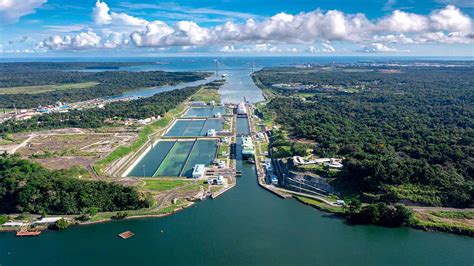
(44, 28)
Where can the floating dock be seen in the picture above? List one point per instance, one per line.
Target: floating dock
(28, 233)
(126, 234)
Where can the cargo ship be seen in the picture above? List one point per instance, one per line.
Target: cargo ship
(247, 147)
(241, 110)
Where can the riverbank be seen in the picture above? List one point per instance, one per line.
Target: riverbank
(419, 220)
(168, 200)
(254, 223)
(426, 221)
(108, 217)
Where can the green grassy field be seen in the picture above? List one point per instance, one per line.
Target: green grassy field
(320, 205)
(222, 148)
(46, 88)
(206, 95)
(161, 185)
(149, 211)
(5, 141)
(452, 222)
(195, 187)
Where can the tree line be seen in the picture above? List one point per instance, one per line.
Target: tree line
(110, 83)
(156, 105)
(29, 187)
(407, 136)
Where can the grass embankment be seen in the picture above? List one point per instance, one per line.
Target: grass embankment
(206, 95)
(455, 222)
(320, 205)
(195, 186)
(226, 126)
(8, 139)
(140, 141)
(222, 148)
(216, 188)
(104, 216)
(46, 88)
(158, 185)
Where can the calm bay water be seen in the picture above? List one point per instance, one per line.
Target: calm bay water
(244, 226)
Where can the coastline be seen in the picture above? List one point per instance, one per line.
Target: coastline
(123, 165)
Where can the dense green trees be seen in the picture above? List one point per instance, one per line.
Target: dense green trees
(60, 225)
(282, 147)
(405, 132)
(379, 214)
(29, 187)
(110, 82)
(155, 105)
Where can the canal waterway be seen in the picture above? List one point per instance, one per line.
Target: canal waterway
(244, 226)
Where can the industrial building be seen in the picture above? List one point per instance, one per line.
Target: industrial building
(199, 170)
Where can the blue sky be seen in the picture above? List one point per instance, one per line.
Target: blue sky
(338, 27)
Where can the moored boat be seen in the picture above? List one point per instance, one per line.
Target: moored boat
(28, 233)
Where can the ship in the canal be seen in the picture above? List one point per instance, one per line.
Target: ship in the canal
(247, 147)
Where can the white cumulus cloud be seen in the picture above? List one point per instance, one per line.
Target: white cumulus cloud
(377, 48)
(446, 25)
(12, 10)
(101, 15)
(81, 41)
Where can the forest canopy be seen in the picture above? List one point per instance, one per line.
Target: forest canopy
(109, 83)
(406, 133)
(156, 105)
(28, 187)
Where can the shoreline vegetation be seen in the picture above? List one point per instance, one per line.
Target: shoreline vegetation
(311, 99)
(426, 221)
(167, 106)
(44, 78)
(365, 205)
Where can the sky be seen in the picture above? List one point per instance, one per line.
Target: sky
(38, 28)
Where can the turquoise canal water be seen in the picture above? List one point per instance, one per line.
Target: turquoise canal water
(175, 158)
(244, 226)
(148, 165)
(203, 152)
(204, 111)
(194, 128)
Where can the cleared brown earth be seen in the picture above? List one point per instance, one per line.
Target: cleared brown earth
(72, 147)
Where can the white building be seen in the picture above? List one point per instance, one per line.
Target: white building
(198, 171)
(221, 164)
(211, 132)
